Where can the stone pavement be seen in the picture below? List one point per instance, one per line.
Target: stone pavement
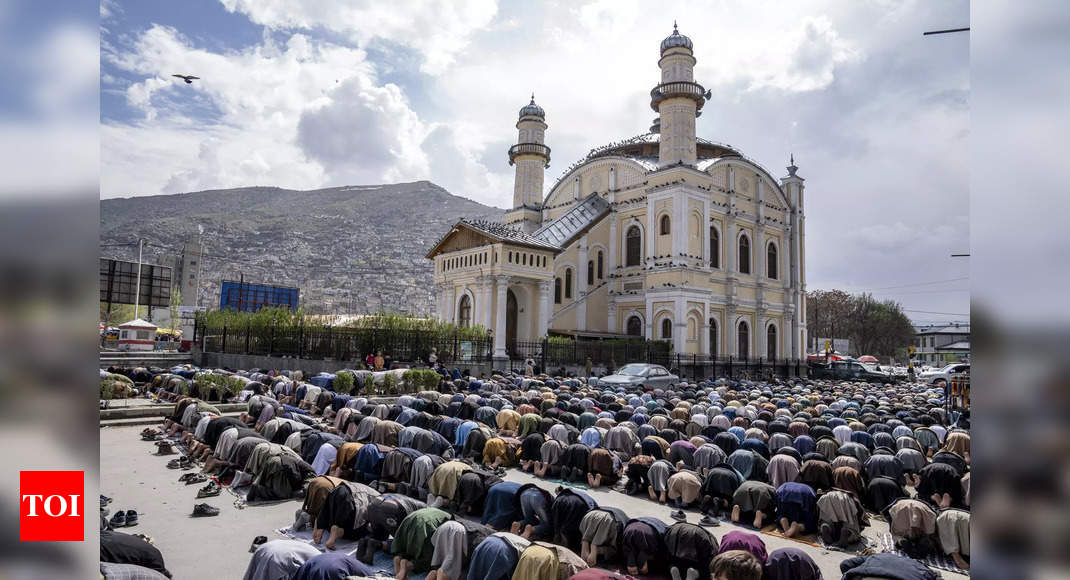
(219, 546)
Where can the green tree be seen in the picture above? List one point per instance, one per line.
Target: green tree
(176, 301)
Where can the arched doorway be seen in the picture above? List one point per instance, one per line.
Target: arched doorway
(743, 332)
(713, 337)
(771, 342)
(510, 321)
(464, 314)
(635, 326)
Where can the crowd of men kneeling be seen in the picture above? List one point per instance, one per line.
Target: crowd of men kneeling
(413, 477)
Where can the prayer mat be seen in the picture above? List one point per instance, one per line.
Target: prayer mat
(808, 539)
(383, 564)
(937, 561)
(347, 547)
(569, 484)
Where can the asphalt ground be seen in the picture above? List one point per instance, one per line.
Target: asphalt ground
(218, 547)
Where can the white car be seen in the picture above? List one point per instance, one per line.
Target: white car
(942, 376)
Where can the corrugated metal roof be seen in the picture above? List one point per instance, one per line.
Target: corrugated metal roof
(563, 229)
(508, 233)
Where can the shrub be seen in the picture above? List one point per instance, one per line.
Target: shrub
(389, 384)
(343, 382)
(369, 385)
(107, 389)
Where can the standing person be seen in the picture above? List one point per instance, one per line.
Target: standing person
(432, 358)
(588, 367)
(369, 361)
(378, 361)
(612, 366)
(529, 367)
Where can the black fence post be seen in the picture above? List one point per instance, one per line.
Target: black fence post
(224, 347)
(271, 342)
(301, 339)
(729, 372)
(330, 343)
(248, 334)
(545, 346)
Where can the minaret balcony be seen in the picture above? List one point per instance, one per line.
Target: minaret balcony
(529, 149)
(677, 90)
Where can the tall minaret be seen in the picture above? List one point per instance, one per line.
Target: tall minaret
(531, 158)
(677, 100)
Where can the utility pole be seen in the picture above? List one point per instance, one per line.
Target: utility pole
(137, 291)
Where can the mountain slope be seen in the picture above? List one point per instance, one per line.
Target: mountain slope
(354, 249)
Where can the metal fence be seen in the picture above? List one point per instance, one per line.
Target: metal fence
(340, 343)
(551, 355)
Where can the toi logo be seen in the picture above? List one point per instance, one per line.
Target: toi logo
(51, 506)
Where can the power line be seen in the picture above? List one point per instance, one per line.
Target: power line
(931, 312)
(966, 29)
(916, 284)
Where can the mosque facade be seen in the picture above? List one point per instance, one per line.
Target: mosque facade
(663, 236)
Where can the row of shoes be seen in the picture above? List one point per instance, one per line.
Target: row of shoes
(707, 519)
(123, 519)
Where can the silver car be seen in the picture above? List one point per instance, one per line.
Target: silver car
(643, 375)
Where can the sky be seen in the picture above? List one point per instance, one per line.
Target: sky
(327, 93)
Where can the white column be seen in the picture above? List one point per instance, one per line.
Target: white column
(611, 265)
(705, 233)
(581, 286)
(576, 188)
(499, 325)
(728, 333)
(679, 333)
(682, 203)
(488, 307)
(729, 243)
(451, 306)
(545, 307)
(651, 229)
(759, 254)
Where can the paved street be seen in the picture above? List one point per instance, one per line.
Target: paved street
(218, 547)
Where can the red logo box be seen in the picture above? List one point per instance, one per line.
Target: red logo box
(52, 506)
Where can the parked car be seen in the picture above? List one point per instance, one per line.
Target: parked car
(942, 376)
(643, 375)
(850, 371)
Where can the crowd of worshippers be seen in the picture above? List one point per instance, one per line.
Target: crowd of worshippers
(806, 457)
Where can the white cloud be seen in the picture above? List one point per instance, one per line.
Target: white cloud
(438, 30)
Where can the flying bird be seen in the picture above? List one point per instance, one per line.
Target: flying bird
(188, 78)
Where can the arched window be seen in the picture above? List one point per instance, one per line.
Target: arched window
(744, 339)
(715, 248)
(568, 282)
(590, 272)
(770, 342)
(464, 314)
(633, 246)
(664, 228)
(666, 329)
(635, 326)
(523, 259)
(771, 263)
(510, 257)
(600, 269)
(557, 290)
(713, 337)
(744, 254)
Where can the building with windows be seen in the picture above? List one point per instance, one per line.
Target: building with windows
(941, 344)
(665, 236)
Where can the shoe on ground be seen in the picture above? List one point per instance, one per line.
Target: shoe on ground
(174, 464)
(210, 490)
(204, 510)
(197, 478)
(131, 518)
(257, 542)
(826, 534)
(118, 520)
(678, 515)
(708, 520)
(104, 500)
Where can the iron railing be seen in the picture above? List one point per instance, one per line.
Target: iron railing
(677, 89)
(529, 148)
(345, 344)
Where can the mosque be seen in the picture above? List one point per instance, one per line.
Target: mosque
(663, 236)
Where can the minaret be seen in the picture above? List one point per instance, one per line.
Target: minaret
(677, 100)
(531, 158)
(792, 184)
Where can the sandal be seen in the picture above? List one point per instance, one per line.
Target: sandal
(678, 515)
(197, 478)
(174, 464)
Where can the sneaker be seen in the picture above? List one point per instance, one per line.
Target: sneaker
(210, 490)
(104, 500)
(257, 542)
(174, 464)
(164, 448)
(678, 515)
(204, 510)
(708, 520)
(131, 518)
(186, 477)
(196, 478)
(118, 520)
